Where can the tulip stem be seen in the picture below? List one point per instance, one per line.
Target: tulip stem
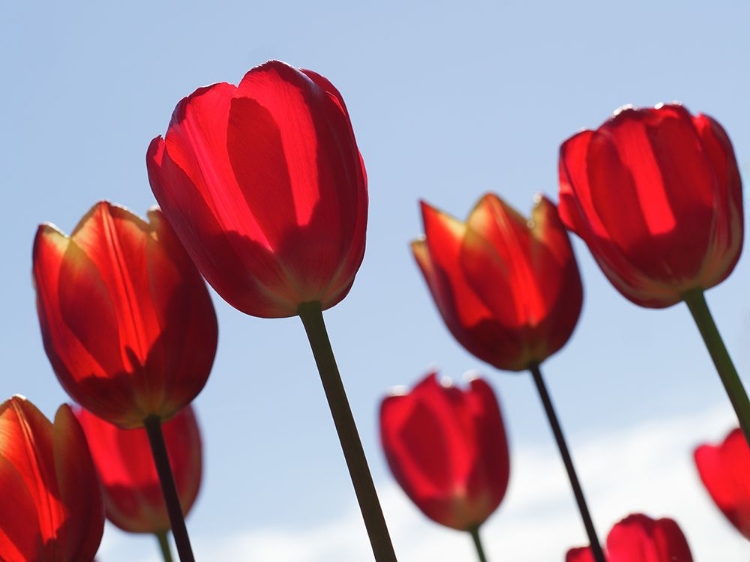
(474, 531)
(312, 318)
(152, 424)
(166, 552)
(596, 548)
(696, 302)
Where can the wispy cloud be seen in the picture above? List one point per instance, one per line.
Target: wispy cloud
(647, 468)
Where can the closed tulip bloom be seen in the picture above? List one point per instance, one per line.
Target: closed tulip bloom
(132, 493)
(447, 449)
(656, 195)
(264, 184)
(580, 554)
(507, 287)
(725, 472)
(127, 322)
(52, 508)
(638, 538)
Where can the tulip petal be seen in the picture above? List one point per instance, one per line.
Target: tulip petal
(495, 258)
(78, 485)
(726, 241)
(651, 160)
(294, 156)
(222, 253)
(71, 358)
(20, 536)
(185, 315)
(455, 299)
(192, 178)
(488, 480)
(27, 445)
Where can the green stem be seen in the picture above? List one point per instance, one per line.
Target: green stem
(168, 488)
(696, 302)
(166, 552)
(596, 548)
(312, 318)
(474, 531)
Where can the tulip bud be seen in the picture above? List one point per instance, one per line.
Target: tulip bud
(638, 538)
(447, 449)
(127, 321)
(132, 492)
(656, 195)
(264, 184)
(508, 288)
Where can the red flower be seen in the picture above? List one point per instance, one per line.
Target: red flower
(508, 288)
(447, 449)
(638, 538)
(265, 186)
(126, 319)
(725, 472)
(52, 509)
(132, 493)
(657, 197)
(580, 554)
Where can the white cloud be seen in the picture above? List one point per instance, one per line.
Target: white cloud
(647, 469)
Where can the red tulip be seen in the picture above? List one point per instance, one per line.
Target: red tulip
(638, 538)
(508, 288)
(52, 509)
(265, 186)
(657, 197)
(447, 449)
(126, 319)
(725, 472)
(132, 493)
(580, 554)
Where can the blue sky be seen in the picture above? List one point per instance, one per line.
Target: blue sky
(447, 103)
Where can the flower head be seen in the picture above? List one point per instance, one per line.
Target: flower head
(638, 538)
(127, 321)
(656, 195)
(447, 449)
(508, 288)
(264, 184)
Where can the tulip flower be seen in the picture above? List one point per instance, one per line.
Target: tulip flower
(52, 508)
(656, 195)
(127, 321)
(132, 494)
(638, 538)
(128, 325)
(264, 185)
(507, 288)
(725, 472)
(509, 291)
(579, 554)
(447, 449)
